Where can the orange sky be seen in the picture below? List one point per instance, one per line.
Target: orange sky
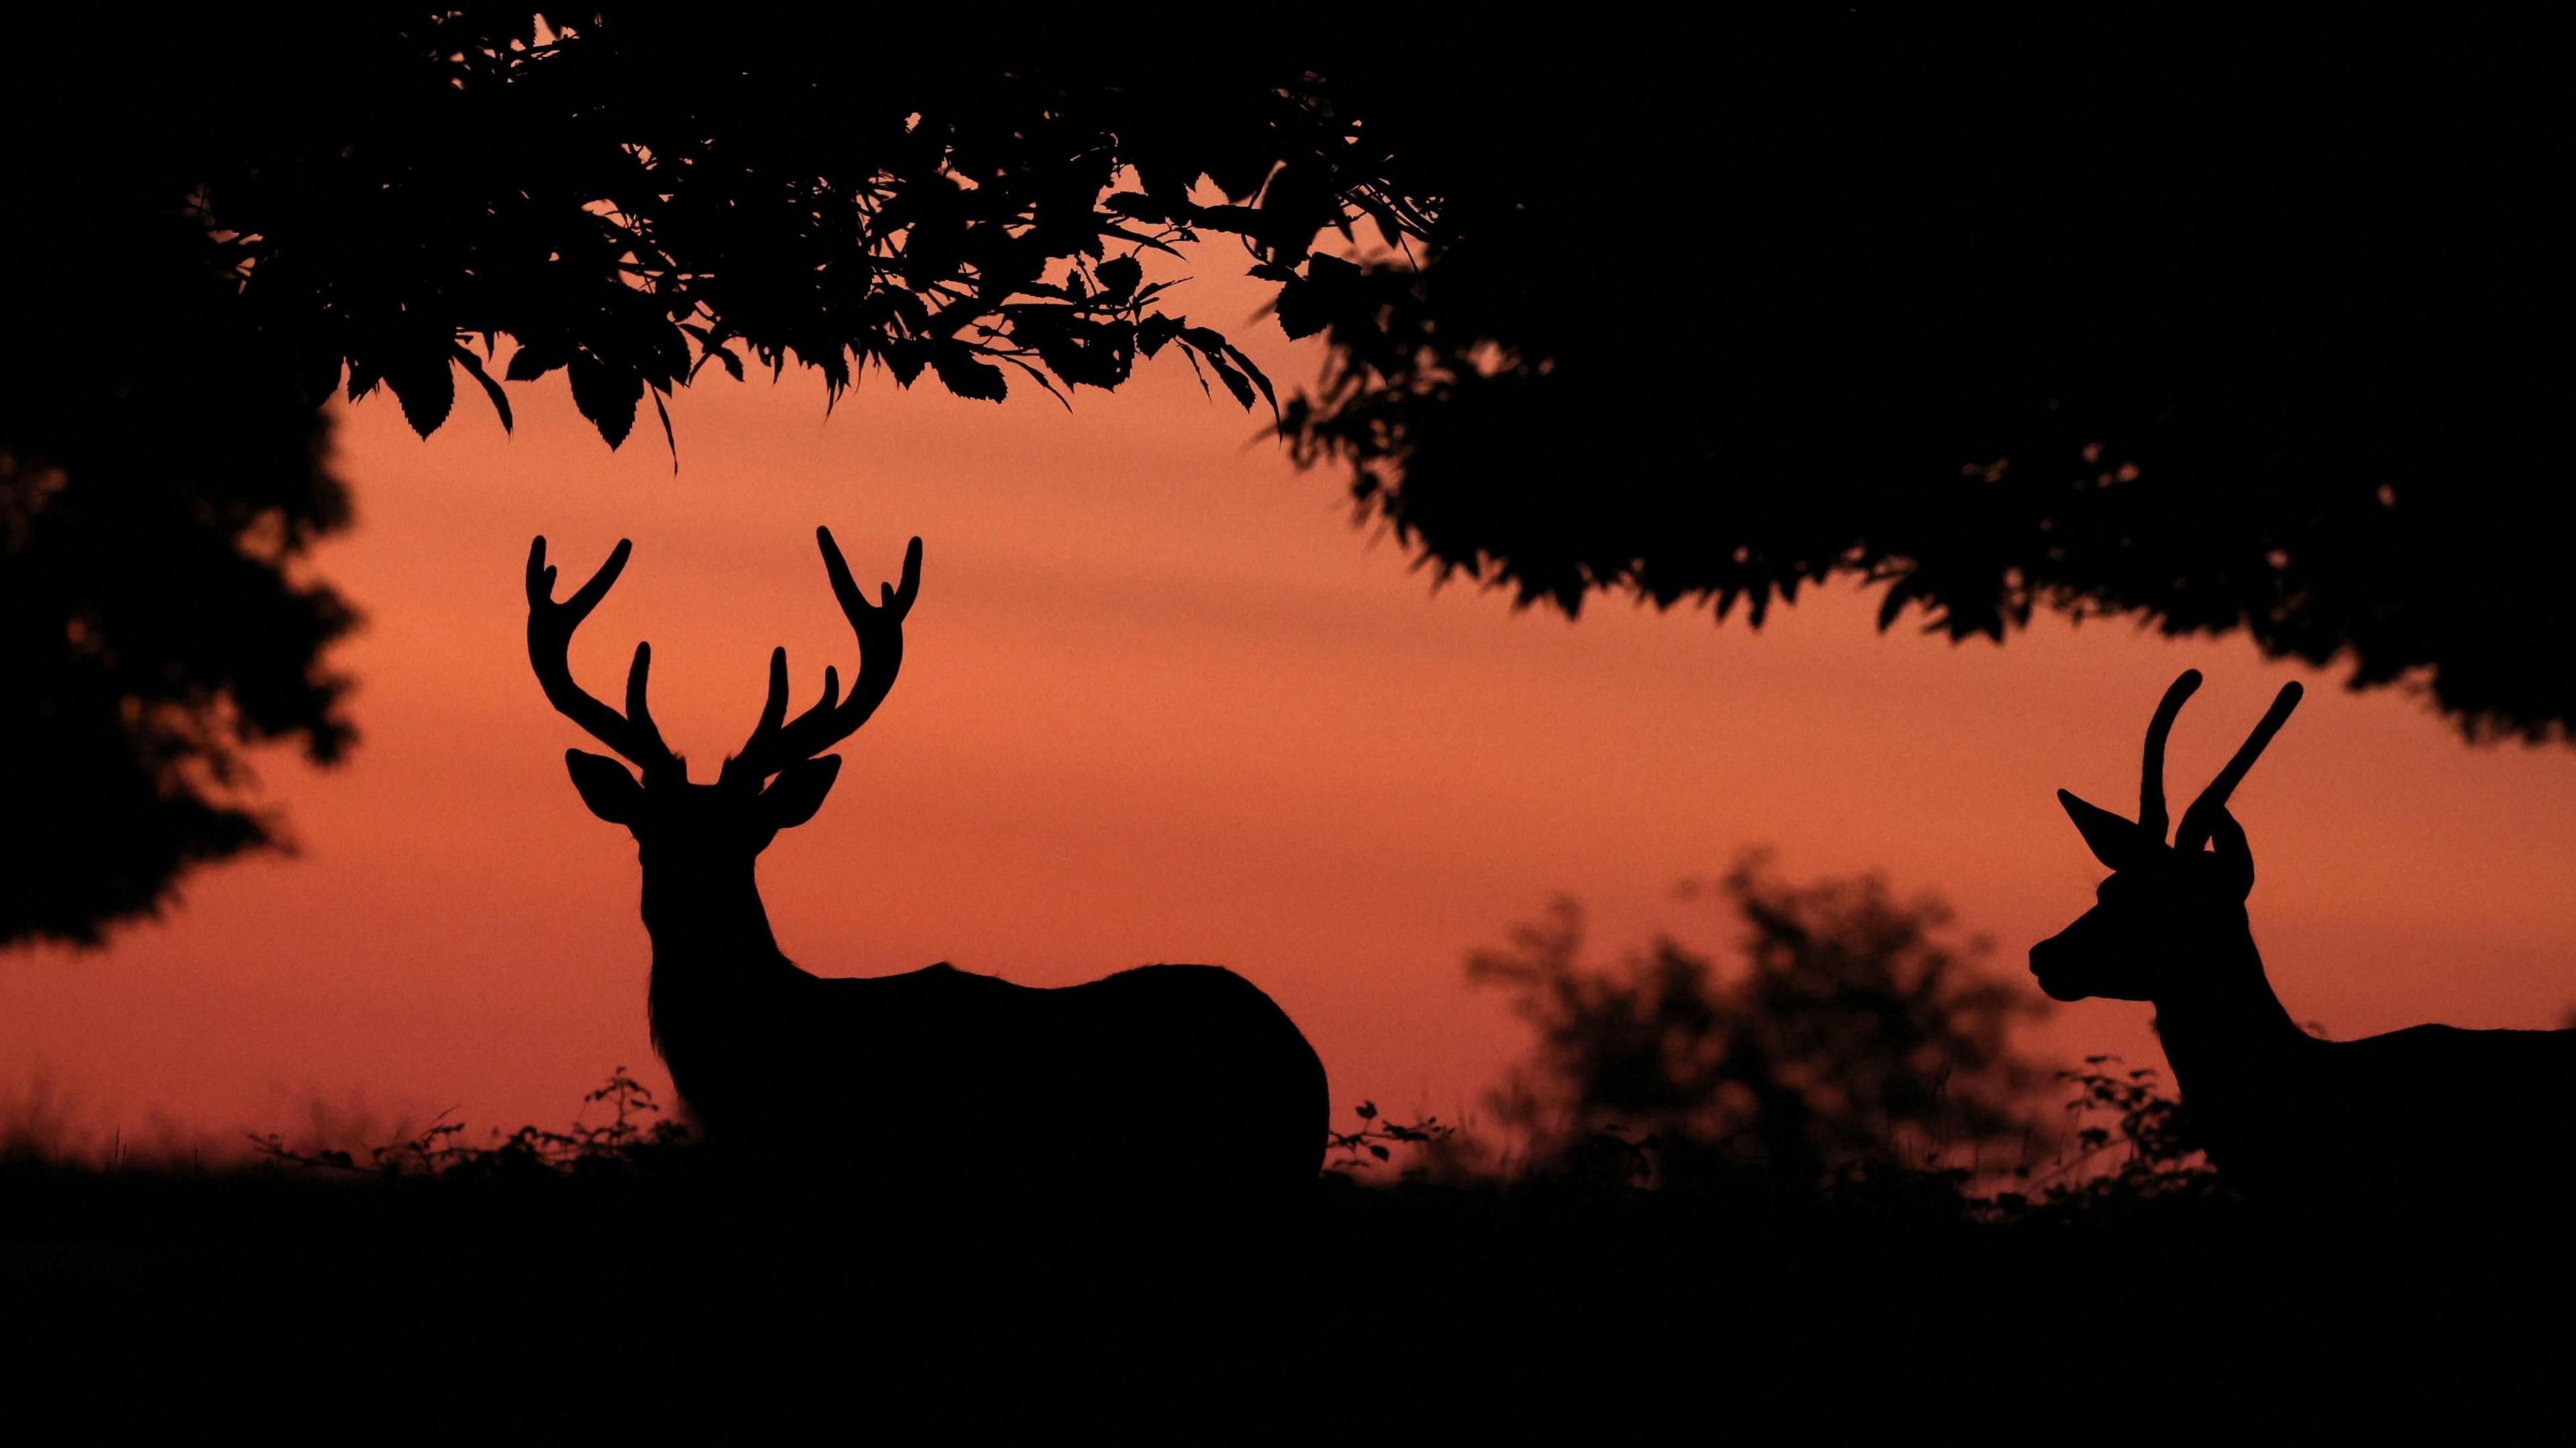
(1160, 702)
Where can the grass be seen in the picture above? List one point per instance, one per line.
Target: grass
(617, 1278)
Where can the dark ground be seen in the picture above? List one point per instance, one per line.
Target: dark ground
(662, 1292)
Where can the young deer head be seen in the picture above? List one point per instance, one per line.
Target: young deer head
(2426, 1129)
(690, 831)
(2168, 911)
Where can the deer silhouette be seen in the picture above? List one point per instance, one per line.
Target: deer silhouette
(1161, 1076)
(2426, 1120)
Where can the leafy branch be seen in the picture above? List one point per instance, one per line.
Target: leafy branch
(1377, 1139)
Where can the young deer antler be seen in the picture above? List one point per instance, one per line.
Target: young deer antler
(2152, 822)
(550, 630)
(2206, 814)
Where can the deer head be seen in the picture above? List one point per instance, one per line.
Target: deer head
(781, 775)
(2164, 907)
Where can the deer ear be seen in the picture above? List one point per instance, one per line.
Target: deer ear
(2235, 856)
(2114, 841)
(605, 786)
(798, 791)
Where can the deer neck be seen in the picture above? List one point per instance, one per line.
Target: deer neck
(710, 933)
(719, 981)
(2227, 1036)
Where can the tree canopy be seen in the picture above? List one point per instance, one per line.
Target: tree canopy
(2216, 324)
(159, 482)
(2223, 327)
(639, 195)
(230, 220)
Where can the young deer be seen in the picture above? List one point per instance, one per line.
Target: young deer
(2430, 1119)
(938, 1074)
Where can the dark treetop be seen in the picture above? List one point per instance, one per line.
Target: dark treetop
(2209, 326)
(223, 222)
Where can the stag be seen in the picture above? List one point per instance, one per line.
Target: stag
(2429, 1119)
(938, 1075)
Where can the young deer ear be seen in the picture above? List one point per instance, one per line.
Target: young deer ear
(798, 791)
(2235, 856)
(605, 786)
(2114, 841)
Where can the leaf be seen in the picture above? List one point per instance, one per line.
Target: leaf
(607, 396)
(910, 309)
(426, 387)
(533, 360)
(1138, 238)
(1389, 228)
(1240, 220)
(1118, 278)
(1259, 378)
(904, 358)
(491, 389)
(1043, 381)
(722, 355)
(1302, 313)
(1137, 205)
(668, 440)
(1235, 382)
(1332, 270)
(1081, 351)
(963, 373)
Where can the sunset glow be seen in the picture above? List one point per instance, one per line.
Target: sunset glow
(1161, 702)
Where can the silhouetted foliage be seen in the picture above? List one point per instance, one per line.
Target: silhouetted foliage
(632, 194)
(2249, 329)
(228, 216)
(618, 1279)
(635, 1137)
(2132, 1143)
(160, 479)
(1379, 1137)
(2220, 323)
(1851, 1035)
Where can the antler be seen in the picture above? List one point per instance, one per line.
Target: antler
(2151, 788)
(2201, 820)
(879, 628)
(550, 629)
